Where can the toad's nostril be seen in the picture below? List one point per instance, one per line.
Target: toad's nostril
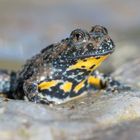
(90, 46)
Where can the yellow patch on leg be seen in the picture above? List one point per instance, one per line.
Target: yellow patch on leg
(95, 81)
(66, 87)
(48, 84)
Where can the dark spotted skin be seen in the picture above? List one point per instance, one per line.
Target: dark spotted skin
(62, 71)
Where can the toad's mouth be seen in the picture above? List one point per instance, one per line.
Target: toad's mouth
(95, 54)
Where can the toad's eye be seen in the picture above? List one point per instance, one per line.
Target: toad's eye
(78, 35)
(99, 29)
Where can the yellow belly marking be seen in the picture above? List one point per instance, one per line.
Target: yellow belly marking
(66, 87)
(48, 84)
(79, 86)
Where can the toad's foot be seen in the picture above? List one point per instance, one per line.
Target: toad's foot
(33, 94)
(107, 82)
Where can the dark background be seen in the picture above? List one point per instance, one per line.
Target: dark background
(27, 26)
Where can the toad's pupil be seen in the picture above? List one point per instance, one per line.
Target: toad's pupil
(78, 36)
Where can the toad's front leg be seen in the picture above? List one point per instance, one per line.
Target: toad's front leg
(103, 81)
(32, 92)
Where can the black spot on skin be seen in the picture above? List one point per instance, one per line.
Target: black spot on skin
(84, 60)
(102, 85)
(92, 66)
(82, 66)
(97, 57)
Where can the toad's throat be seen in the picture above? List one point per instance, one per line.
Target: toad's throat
(88, 63)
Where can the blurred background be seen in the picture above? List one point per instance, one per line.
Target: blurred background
(27, 26)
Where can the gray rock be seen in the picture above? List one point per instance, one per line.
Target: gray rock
(129, 72)
(101, 115)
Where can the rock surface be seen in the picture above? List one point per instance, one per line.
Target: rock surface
(100, 116)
